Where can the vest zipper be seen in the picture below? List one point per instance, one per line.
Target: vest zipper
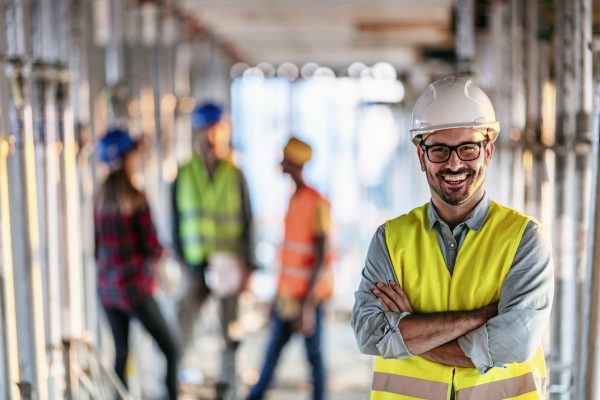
(451, 395)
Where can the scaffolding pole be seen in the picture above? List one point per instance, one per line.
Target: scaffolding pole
(592, 371)
(563, 364)
(8, 324)
(583, 153)
(23, 201)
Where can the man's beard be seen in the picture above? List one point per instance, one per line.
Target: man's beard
(449, 197)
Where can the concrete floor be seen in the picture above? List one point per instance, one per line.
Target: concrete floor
(349, 372)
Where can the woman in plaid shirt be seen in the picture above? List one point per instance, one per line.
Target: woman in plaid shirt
(127, 249)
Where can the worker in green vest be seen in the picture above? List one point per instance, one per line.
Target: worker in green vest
(455, 295)
(212, 235)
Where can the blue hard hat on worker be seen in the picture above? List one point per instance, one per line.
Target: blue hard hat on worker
(115, 145)
(206, 115)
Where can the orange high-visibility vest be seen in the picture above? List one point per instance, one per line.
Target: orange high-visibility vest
(298, 252)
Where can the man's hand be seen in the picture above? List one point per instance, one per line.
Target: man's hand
(307, 319)
(449, 354)
(392, 297)
(246, 274)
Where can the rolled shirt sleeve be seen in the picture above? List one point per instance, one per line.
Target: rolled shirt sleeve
(524, 308)
(376, 330)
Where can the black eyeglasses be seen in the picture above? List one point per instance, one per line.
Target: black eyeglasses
(440, 153)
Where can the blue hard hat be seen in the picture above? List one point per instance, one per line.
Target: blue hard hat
(206, 114)
(115, 145)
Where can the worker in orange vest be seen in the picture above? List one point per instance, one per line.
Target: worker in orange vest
(305, 279)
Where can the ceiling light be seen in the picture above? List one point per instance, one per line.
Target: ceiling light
(355, 69)
(383, 70)
(253, 73)
(309, 69)
(324, 72)
(237, 70)
(267, 69)
(366, 73)
(288, 71)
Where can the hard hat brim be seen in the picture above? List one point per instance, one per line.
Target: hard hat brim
(418, 135)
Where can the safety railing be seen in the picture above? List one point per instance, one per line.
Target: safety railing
(88, 375)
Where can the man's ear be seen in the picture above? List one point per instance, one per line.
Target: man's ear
(212, 134)
(421, 156)
(489, 152)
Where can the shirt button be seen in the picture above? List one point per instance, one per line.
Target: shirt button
(452, 245)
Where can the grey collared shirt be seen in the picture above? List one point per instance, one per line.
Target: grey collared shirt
(523, 311)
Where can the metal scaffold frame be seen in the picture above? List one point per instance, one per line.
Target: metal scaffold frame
(24, 207)
(545, 115)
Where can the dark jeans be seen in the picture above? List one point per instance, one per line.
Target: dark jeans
(281, 332)
(148, 313)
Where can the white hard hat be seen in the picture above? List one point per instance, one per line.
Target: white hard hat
(452, 103)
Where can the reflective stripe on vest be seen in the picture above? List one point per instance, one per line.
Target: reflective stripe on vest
(427, 389)
(408, 386)
(220, 244)
(218, 217)
(498, 390)
(296, 272)
(210, 210)
(482, 264)
(298, 249)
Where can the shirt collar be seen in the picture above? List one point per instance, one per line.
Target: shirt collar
(474, 221)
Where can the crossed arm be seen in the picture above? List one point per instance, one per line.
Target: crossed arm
(478, 337)
(433, 336)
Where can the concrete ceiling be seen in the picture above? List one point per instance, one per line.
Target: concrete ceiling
(333, 33)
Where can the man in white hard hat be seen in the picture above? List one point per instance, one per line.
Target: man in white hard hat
(455, 295)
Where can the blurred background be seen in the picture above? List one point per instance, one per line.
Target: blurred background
(341, 75)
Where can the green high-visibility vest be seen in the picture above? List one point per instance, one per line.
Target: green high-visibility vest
(210, 210)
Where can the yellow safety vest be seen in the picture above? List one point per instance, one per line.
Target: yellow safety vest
(210, 210)
(483, 262)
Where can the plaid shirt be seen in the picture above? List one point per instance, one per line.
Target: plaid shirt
(126, 246)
